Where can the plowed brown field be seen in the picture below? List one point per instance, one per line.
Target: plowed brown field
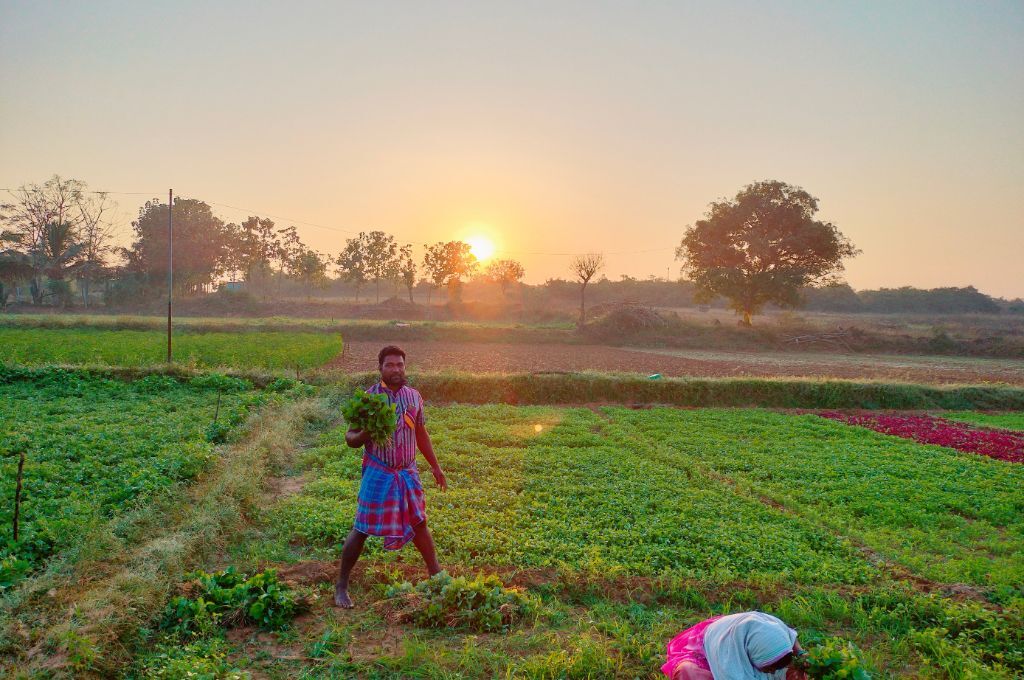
(520, 358)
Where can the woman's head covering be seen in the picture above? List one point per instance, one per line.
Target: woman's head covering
(738, 645)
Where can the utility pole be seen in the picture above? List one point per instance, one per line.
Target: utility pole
(170, 267)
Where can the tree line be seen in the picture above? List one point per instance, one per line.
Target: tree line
(764, 247)
(59, 232)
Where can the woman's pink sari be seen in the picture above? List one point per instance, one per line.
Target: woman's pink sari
(688, 646)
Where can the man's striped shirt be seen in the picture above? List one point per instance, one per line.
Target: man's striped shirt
(409, 409)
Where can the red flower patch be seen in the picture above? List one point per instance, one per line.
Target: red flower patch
(991, 442)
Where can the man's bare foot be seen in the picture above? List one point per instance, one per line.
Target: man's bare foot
(341, 598)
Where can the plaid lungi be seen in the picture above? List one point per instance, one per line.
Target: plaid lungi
(390, 502)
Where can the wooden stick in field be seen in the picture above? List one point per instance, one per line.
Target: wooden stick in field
(17, 492)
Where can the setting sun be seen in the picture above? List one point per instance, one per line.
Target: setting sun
(481, 247)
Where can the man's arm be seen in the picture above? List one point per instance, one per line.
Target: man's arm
(423, 442)
(357, 438)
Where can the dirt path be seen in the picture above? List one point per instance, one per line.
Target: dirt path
(519, 358)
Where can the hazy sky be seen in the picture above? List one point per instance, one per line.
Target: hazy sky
(554, 127)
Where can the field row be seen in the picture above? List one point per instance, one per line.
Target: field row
(95, 449)
(247, 345)
(632, 522)
(821, 523)
(641, 491)
(250, 350)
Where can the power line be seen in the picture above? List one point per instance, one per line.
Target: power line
(620, 252)
(281, 217)
(151, 194)
(424, 243)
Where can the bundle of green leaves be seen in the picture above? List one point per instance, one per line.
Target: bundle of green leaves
(481, 603)
(371, 413)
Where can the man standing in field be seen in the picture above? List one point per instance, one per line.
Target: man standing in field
(390, 494)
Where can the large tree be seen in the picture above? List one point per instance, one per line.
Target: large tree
(352, 262)
(310, 268)
(505, 273)
(200, 244)
(381, 257)
(289, 251)
(15, 265)
(29, 221)
(252, 248)
(58, 254)
(762, 246)
(447, 262)
(406, 269)
(585, 267)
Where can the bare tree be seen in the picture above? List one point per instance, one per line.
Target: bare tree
(585, 267)
(96, 229)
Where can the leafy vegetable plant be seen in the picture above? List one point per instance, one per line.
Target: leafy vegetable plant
(481, 603)
(371, 413)
(229, 598)
(833, 659)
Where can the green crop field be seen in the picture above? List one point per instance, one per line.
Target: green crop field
(249, 350)
(613, 507)
(645, 521)
(614, 527)
(946, 515)
(1007, 421)
(97, 448)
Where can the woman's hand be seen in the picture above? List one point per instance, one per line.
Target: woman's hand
(795, 673)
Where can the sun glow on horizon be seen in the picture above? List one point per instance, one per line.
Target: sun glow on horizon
(481, 247)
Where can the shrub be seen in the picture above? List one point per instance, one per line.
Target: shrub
(281, 385)
(217, 432)
(12, 569)
(220, 382)
(833, 659)
(155, 384)
(205, 659)
(229, 598)
(482, 603)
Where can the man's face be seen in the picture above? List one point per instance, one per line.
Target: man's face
(392, 371)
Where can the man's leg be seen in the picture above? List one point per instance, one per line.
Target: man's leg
(350, 553)
(424, 542)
